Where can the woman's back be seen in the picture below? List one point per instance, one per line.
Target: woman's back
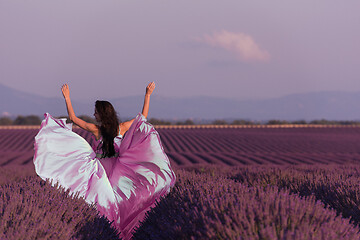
(106, 162)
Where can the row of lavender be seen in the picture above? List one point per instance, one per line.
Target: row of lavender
(230, 140)
(207, 202)
(32, 209)
(232, 147)
(299, 202)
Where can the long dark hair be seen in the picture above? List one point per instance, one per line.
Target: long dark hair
(109, 126)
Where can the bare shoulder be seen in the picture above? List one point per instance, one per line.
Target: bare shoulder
(124, 126)
(94, 129)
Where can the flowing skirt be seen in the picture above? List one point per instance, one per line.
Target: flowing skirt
(139, 176)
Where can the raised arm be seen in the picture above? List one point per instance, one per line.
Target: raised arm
(145, 110)
(149, 89)
(81, 123)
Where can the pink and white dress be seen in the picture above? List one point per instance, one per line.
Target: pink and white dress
(123, 187)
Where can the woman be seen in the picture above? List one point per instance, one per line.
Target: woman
(122, 173)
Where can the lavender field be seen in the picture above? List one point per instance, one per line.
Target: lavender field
(232, 183)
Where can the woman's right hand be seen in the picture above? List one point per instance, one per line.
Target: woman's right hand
(65, 91)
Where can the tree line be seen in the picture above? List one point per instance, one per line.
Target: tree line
(35, 120)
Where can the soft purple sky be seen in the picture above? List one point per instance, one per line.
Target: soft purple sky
(233, 49)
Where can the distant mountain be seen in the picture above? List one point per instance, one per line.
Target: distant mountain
(16, 102)
(318, 105)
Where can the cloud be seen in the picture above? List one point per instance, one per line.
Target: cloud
(241, 44)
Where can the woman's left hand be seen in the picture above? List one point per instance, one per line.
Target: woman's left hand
(150, 88)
